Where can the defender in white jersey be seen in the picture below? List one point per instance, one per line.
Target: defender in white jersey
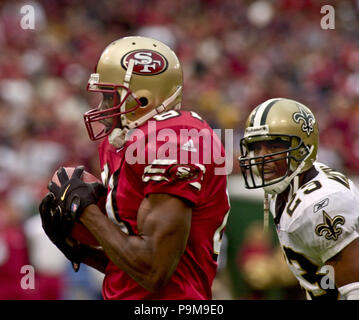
(315, 208)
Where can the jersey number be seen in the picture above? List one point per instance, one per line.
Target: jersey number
(309, 188)
(310, 273)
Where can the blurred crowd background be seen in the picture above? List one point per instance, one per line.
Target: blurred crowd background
(234, 53)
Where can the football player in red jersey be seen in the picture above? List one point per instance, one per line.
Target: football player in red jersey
(164, 173)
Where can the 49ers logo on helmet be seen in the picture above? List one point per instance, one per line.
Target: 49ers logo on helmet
(147, 62)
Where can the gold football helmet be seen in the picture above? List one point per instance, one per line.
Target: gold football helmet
(141, 76)
(289, 122)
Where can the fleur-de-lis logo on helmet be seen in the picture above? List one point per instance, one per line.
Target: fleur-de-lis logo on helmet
(307, 118)
(329, 227)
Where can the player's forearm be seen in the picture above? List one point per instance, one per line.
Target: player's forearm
(97, 259)
(132, 254)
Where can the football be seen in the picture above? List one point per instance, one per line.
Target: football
(79, 231)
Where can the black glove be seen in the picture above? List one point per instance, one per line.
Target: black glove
(57, 225)
(74, 195)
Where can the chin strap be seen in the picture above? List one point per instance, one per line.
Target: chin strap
(126, 83)
(294, 186)
(266, 212)
(160, 109)
(282, 185)
(117, 137)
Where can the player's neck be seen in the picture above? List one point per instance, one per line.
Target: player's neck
(308, 175)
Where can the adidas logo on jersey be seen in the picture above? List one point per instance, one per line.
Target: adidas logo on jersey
(189, 146)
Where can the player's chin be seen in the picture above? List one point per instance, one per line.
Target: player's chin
(107, 124)
(271, 176)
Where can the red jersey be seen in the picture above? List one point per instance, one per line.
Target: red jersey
(174, 153)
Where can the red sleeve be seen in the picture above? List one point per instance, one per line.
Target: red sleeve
(181, 180)
(167, 171)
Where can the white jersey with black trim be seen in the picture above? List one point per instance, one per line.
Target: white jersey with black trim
(317, 222)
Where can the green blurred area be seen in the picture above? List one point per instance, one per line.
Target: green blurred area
(245, 212)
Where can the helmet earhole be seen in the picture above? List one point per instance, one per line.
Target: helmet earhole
(143, 101)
